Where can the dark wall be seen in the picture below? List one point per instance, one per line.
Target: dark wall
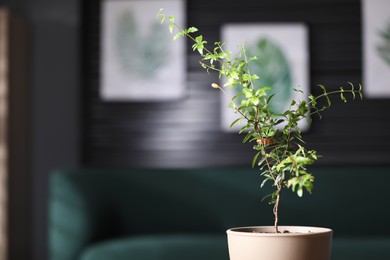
(56, 84)
(186, 133)
(54, 87)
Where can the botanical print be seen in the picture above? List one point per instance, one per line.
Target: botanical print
(138, 61)
(139, 56)
(282, 63)
(384, 47)
(376, 43)
(275, 71)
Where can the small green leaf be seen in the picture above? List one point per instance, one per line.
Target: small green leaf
(238, 95)
(279, 121)
(235, 121)
(179, 34)
(171, 27)
(342, 95)
(270, 97)
(161, 15)
(231, 105)
(266, 197)
(255, 159)
(192, 30)
(300, 192)
(248, 136)
(246, 127)
(323, 88)
(263, 182)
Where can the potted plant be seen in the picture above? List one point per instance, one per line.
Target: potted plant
(280, 154)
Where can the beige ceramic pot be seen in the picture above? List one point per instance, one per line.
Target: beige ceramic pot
(293, 243)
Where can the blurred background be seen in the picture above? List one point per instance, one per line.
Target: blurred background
(65, 123)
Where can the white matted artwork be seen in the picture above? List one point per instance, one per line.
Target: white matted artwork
(283, 63)
(376, 44)
(139, 62)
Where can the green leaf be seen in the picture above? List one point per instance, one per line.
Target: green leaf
(232, 105)
(192, 30)
(248, 136)
(179, 34)
(267, 197)
(199, 44)
(303, 160)
(160, 14)
(269, 98)
(238, 95)
(246, 127)
(298, 136)
(300, 192)
(279, 121)
(264, 182)
(313, 101)
(255, 159)
(171, 27)
(235, 121)
(323, 88)
(342, 95)
(248, 92)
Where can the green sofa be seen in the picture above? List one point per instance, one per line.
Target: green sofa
(182, 214)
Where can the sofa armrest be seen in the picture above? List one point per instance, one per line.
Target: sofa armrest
(71, 225)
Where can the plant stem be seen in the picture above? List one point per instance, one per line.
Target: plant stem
(276, 146)
(335, 92)
(276, 208)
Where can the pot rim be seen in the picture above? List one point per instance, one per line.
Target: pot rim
(296, 231)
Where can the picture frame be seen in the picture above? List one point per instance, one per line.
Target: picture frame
(283, 53)
(138, 60)
(376, 48)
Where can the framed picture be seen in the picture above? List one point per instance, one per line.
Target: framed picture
(139, 62)
(376, 45)
(283, 63)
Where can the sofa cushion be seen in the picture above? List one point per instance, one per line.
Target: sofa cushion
(162, 247)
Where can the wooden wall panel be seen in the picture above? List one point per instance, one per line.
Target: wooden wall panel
(4, 27)
(14, 138)
(186, 133)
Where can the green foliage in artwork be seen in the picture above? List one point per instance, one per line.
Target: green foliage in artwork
(275, 71)
(384, 47)
(140, 56)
